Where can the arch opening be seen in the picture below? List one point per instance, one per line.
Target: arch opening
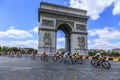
(66, 30)
(60, 40)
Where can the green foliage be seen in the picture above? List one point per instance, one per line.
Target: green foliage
(30, 50)
(111, 54)
(0, 52)
(0, 48)
(4, 48)
(14, 49)
(104, 53)
(115, 54)
(91, 53)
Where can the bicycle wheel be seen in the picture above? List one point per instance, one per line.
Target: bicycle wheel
(93, 63)
(80, 61)
(106, 65)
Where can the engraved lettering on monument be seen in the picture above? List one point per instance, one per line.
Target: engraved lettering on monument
(47, 38)
(46, 22)
(80, 27)
(81, 42)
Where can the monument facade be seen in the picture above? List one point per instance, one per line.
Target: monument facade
(71, 21)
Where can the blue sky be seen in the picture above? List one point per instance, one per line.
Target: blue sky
(19, 22)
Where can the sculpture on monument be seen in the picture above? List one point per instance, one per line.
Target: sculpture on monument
(47, 38)
(81, 41)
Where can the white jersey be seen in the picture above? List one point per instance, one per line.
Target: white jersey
(65, 55)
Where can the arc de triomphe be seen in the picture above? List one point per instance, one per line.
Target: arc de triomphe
(71, 21)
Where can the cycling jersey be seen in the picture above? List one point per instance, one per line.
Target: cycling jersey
(65, 55)
(97, 54)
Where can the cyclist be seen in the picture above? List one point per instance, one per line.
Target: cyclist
(33, 54)
(57, 53)
(44, 56)
(56, 56)
(98, 56)
(66, 54)
(66, 58)
(43, 53)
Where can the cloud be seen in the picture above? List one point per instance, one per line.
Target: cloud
(62, 39)
(100, 43)
(106, 38)
(116, 9)
(60, 42)
(65, 2)
(59, 46)
(119, 23)
(105, 33)
(96, 7)
(35, 29)
(23, 44)
(15, 33)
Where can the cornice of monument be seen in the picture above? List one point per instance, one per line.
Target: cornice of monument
(65, 7)
(62, 13)
(61, 10)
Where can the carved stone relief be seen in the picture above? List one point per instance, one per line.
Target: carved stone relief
(80, 27)
(47, 38)
(46, 22)
(81, 42)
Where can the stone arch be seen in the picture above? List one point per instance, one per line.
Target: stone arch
(66, 28)
(54, 17)
(64, 23)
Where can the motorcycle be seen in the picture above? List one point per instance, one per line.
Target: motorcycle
(102, 62)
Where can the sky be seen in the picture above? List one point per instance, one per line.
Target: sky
(19, 22)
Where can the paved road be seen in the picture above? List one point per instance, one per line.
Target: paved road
(29, 69)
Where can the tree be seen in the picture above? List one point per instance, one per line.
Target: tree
(91, 53)
(14, 49)
(115, 54)
(30, 50)
(0, 48)
(4, 49)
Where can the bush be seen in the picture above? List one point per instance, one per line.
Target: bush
(115, 54)
(91, 53)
